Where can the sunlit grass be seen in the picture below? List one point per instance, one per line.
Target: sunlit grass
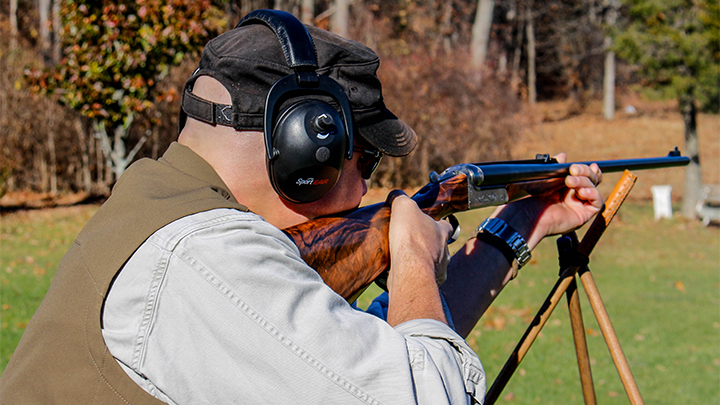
(660, 282)
(31, 246)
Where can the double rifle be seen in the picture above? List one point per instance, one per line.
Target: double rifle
(350, 250)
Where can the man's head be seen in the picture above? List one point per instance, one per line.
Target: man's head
(249, 60)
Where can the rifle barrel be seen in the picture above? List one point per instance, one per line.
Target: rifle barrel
(505, 173)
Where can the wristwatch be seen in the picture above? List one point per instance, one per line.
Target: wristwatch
(499, 234)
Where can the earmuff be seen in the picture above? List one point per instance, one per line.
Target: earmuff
(308, 141)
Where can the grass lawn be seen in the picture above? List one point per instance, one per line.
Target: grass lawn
(660, 281)
(31, 246)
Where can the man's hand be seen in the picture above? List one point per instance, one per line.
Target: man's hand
(478, 272)
(418, 262)
(562, 211)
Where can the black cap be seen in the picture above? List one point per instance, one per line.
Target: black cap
(248, 60)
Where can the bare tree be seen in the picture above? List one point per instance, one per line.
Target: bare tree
(48, 169)
(530, 33)
(517, 52)
(44, 29)
(57, 28)
(693, 172)
(52, 155)
(13, 24)
(115, 148)
(340, 18)
(609, 76)
(481, 31)
(307, 12)
(84, 155)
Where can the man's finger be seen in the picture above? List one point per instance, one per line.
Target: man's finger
(591, 195)
(578, 170)
(578, 182)
(598, 173)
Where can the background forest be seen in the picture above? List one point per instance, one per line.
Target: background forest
(89, 86)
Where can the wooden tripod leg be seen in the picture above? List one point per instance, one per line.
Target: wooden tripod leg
(567, 251)
(616, 198)
(581, 350)
(529, 337)
(592, 236)
(611, 338)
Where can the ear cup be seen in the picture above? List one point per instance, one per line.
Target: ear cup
(309, 144)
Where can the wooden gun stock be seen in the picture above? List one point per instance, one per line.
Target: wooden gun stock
(336, 247)
(350, 251)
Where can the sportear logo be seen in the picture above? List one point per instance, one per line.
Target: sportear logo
(311, 182)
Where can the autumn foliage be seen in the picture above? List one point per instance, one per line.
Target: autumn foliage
(123, 64)
(461, 114)
(117, 51)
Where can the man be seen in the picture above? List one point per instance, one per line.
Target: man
(183, 289)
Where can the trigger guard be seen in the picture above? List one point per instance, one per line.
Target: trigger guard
(456, 228)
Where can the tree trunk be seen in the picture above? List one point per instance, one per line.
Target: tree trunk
(115, 150)
(609, 86)
(52, 155)
(84, 157)
(41, 164)
(693, 173)
(609, 78)
(307, 12)
(13, 25)
(340, 18)
(109, 179)
(57, 29)
(94, 150)
(230, 13)
(53, 161)
(502, 63)
(425, 156)
(530, 28)
(44, 28)
(517, 55)
(155, 134)
(481, 32)
(246, 7)
(446, 28)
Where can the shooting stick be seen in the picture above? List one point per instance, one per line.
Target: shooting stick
(574, 259)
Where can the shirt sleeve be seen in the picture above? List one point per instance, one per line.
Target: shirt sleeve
(219, 307)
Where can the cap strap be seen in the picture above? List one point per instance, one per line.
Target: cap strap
(206, 111)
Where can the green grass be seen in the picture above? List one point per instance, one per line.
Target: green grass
(660, 281)
(31, 246)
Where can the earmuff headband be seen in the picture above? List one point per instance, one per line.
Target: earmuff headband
(295, 40)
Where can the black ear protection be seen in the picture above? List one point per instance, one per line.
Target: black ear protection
(307, 142)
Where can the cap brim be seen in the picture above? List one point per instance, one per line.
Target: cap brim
(388, 134)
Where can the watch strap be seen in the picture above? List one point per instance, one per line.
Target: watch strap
(502, 236)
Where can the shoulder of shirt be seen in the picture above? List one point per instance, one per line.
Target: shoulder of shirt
(220, 220)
